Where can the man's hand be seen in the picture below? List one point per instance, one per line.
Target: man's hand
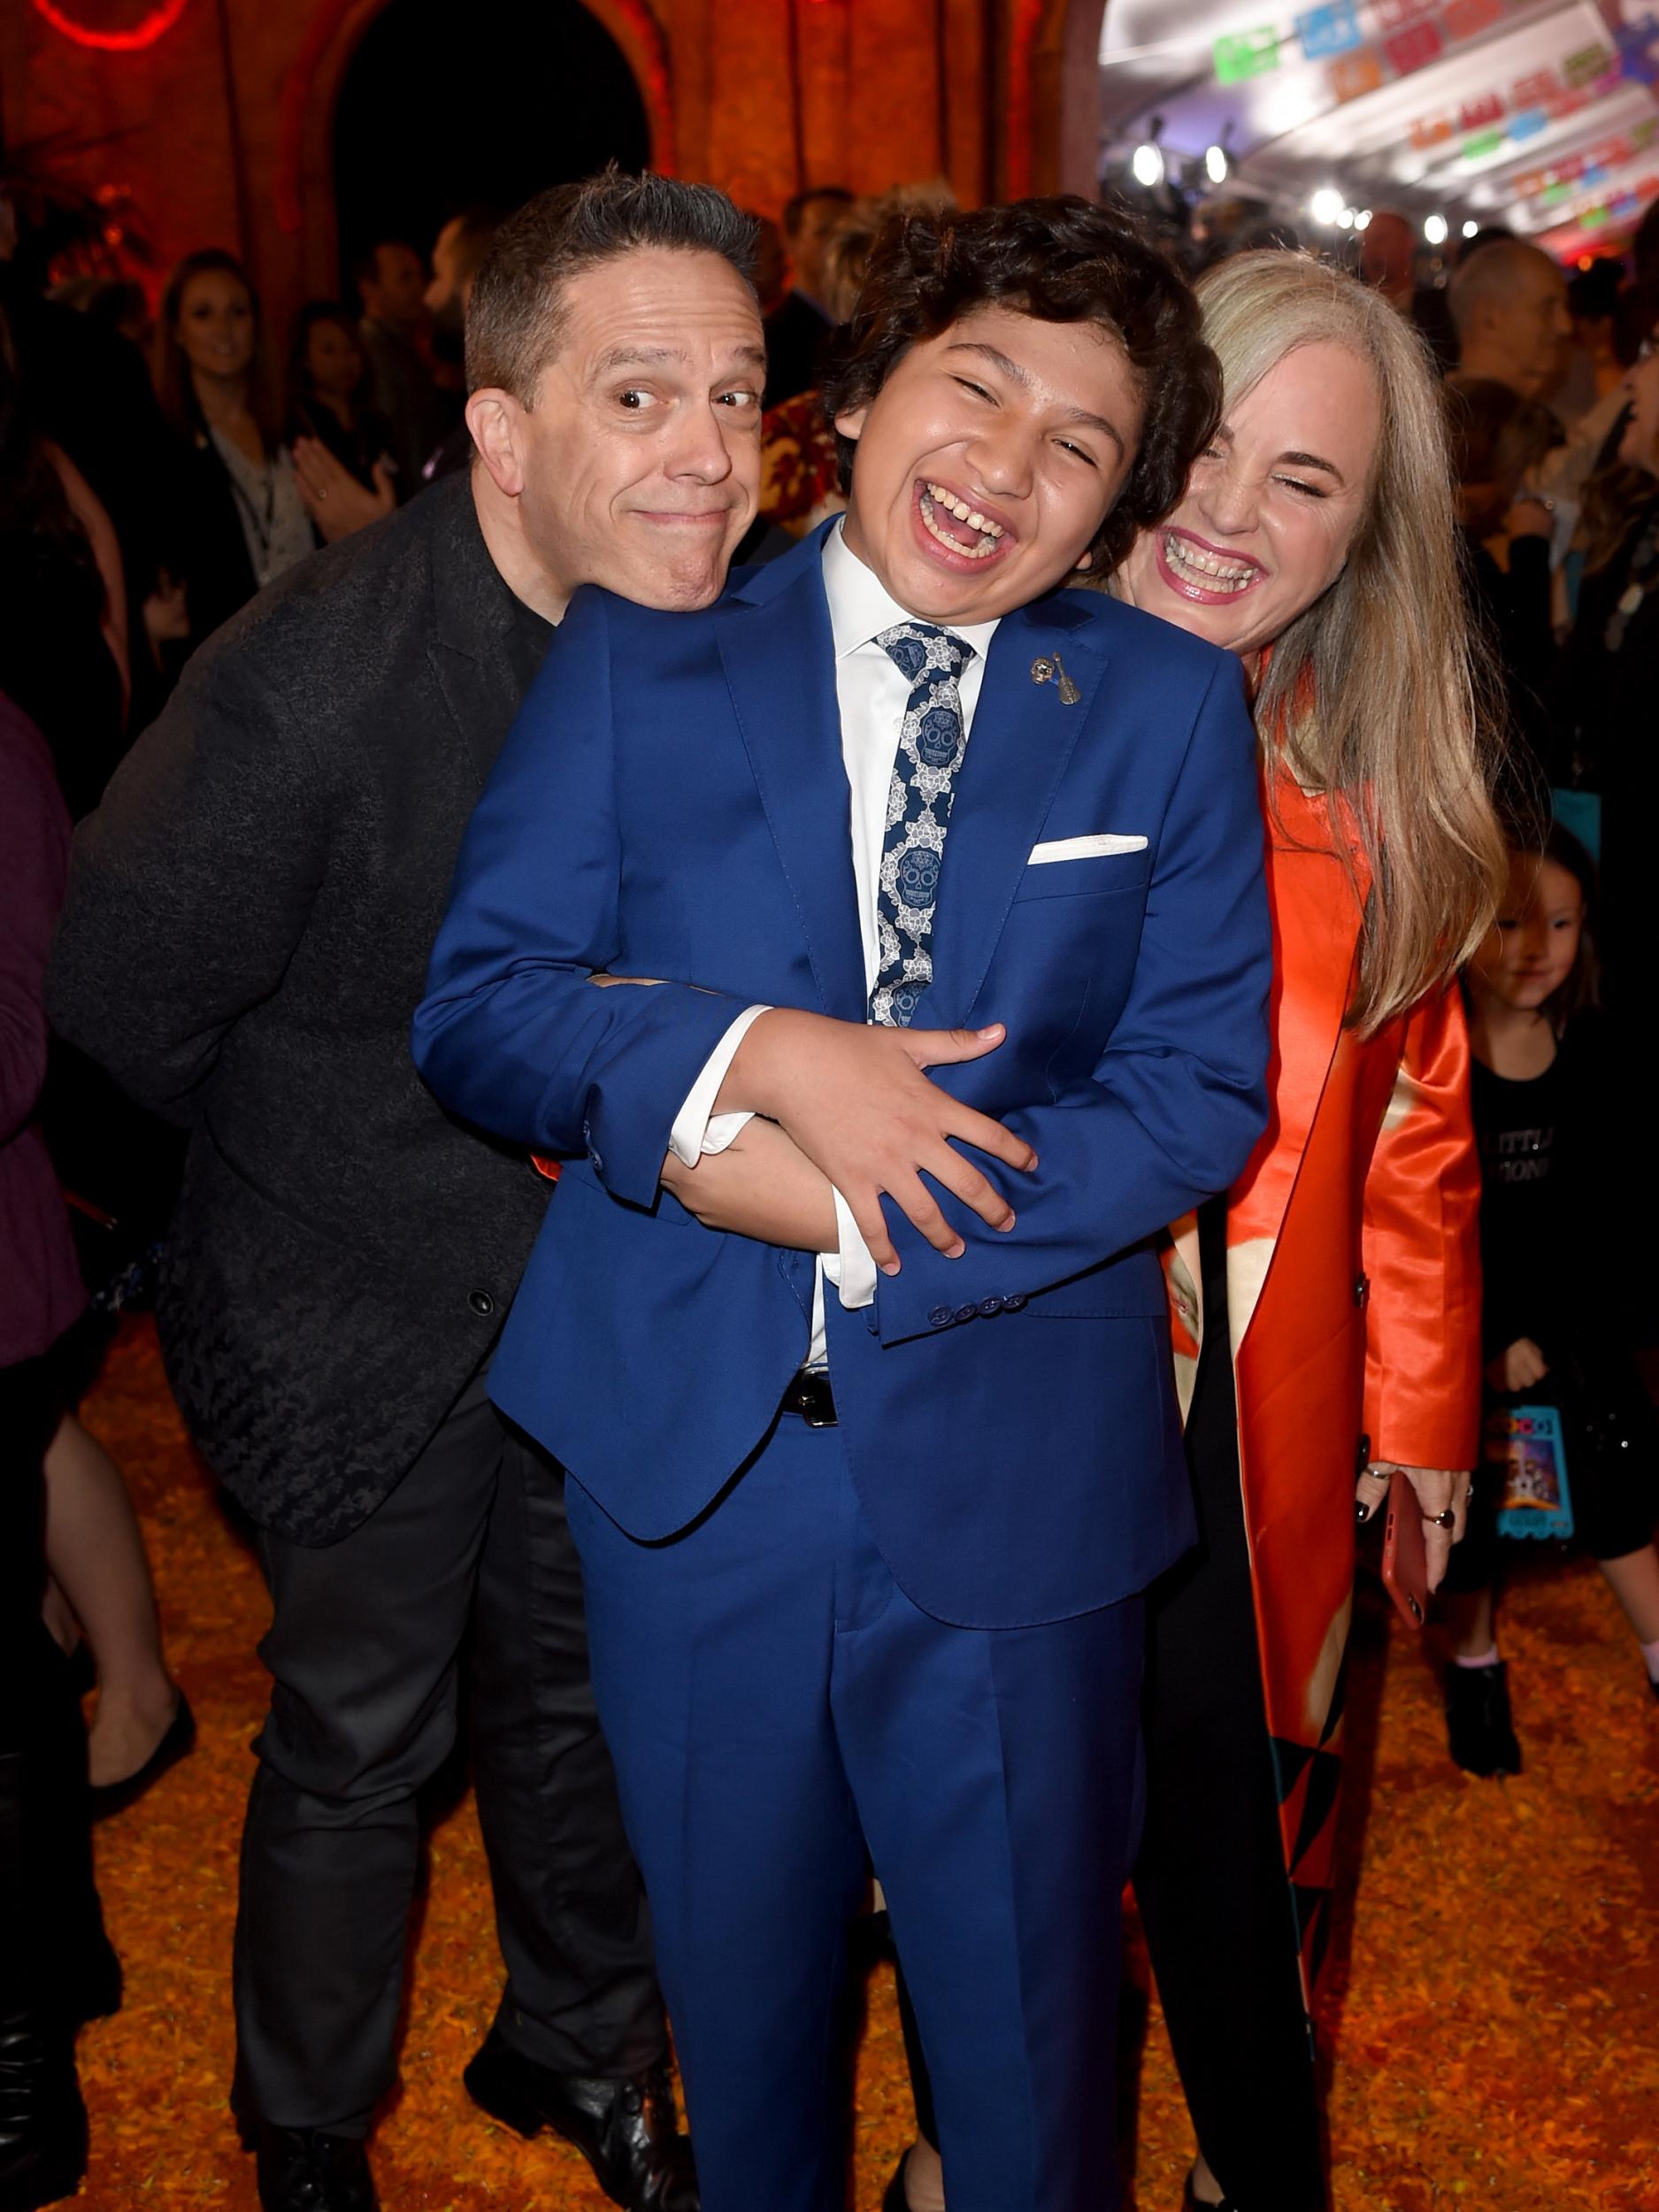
(762, 1185)
(334, 500)
(1517, 1367)
(856, 1101)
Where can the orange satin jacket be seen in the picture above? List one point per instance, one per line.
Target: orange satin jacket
(1353, 1299)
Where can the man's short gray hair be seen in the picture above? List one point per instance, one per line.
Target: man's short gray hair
(516, 315)
(1484, 278)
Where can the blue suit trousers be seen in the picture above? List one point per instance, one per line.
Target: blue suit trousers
(776, 1706)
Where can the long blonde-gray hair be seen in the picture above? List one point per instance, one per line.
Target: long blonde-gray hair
(1372, 695)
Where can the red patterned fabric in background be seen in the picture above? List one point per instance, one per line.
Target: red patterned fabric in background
(797, 463)
(1354, 1303)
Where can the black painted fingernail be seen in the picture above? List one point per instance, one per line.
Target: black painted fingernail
(1362, 1511)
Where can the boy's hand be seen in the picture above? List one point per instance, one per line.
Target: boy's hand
(856, 1101)
(762, 1185)
(1518, 1367)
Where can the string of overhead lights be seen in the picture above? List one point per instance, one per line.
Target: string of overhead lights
(1149, 168)
(1172, 181)
(1328, 207)
(1152, 170)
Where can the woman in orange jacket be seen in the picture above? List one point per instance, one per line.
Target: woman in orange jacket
(1327, 1308)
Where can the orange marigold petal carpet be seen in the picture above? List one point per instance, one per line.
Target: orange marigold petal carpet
(1494, 2033)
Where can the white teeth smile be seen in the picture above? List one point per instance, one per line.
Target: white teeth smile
(1190, 561)
(987, 533)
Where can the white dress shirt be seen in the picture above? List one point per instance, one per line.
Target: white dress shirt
(872, 692)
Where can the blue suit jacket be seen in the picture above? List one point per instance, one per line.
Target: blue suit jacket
(671, 803)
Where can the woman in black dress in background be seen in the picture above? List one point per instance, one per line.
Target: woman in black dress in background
(330, 395)
(58, 658)
(240, 520)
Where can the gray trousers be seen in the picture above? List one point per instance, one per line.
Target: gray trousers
(364, 1652)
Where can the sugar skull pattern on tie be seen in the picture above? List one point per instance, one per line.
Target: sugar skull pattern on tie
(931, 742)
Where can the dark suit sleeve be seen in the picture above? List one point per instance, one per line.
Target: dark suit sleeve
(513, 1035)
(1180, 1093)
(191, 885)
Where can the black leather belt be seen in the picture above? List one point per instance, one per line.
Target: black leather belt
(809, 1395)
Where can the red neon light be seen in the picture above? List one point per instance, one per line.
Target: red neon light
(156, 25)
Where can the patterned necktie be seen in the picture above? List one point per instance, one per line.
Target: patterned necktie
(932, 743)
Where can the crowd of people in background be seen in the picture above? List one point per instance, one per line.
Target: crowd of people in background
(157, 474)
(161, 469)
(168, 500)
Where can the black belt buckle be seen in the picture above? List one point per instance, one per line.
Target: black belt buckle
(809, 1395)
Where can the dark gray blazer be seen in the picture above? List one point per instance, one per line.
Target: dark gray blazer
(245, 939)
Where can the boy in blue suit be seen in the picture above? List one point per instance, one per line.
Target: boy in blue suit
(861, 1371)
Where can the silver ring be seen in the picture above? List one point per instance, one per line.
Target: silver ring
(1448, 1519)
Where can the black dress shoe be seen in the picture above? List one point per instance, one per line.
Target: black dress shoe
(625, 2130)
(1479, 1733)
(42, 2121)
(115, 1797)
(93, 1988)
(301, 2170)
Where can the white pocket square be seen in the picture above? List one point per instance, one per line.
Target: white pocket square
(1085, 847)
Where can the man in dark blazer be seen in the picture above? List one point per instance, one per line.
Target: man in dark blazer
(391, 281)
(863, 1562)
(798, 323)
(246, 931)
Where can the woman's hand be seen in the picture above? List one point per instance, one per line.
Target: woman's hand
(334, 499)
(1517, 1367)
(166, 615)
(762, 1186)
(1438, 1491)
(1532, 516)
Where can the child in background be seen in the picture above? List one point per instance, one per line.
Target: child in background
(1557, 1236)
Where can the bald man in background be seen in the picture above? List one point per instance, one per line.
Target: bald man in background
(1508, 306)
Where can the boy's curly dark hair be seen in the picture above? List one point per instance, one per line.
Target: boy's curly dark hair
(1061, 260)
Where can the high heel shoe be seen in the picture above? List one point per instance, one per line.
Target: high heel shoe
(179, 1739)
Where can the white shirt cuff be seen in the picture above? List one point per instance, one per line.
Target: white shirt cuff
(850, 1269)
(697, 1128)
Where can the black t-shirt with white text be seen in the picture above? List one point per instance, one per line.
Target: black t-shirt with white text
(1527, 1233)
